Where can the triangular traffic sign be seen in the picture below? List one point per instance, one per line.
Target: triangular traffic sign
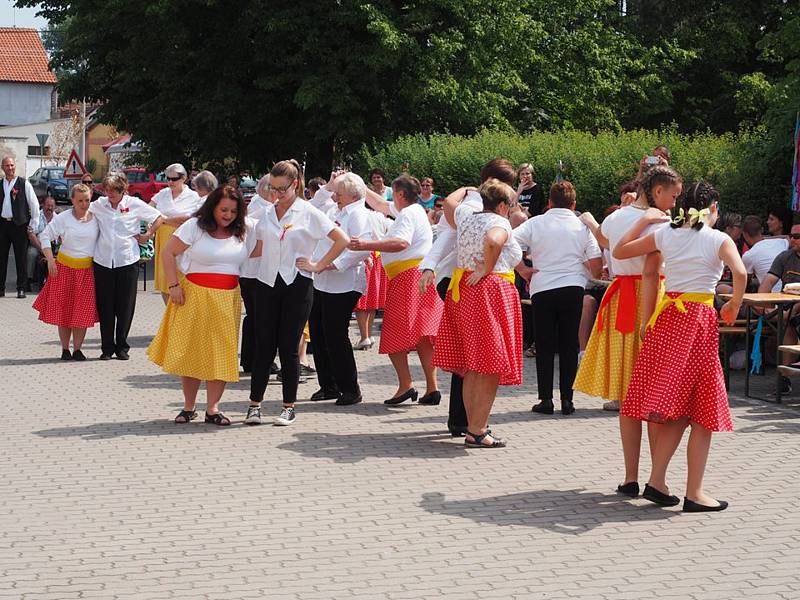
(74, 168)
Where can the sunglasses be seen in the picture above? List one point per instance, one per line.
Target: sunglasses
(87, 182)
(795, 236)
(178, 178)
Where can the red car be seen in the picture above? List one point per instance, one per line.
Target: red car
(142, 184)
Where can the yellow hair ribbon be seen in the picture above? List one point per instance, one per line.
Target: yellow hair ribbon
(696, 215)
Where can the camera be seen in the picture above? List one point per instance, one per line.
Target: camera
(651, 160)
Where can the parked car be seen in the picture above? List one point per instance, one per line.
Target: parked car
(142, 184)
(248, 188)
(50, 181)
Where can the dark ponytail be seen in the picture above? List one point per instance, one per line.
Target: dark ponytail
(699, 197)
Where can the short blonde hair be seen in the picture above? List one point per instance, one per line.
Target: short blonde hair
(116, 181)
(80, 188)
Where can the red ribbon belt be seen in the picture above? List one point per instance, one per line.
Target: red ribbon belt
(625, 285)
(218, 281)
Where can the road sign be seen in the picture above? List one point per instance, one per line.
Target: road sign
(42, 137)
(74, 168)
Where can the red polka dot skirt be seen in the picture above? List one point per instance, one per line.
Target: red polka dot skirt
(377, 284)
(409, 316)
(482, 332)
(678, 372)
(67, 299)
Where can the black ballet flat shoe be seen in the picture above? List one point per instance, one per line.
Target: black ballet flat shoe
(545, 407)
(567, 408)
(324, 395)
(431, 399)
(457, 431)
(409, 394)
(79, 356)
(629, 489)
(348, 399)
(695, 507)
(65, 354)
(653, 495)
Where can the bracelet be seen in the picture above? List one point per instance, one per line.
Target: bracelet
(174, 286)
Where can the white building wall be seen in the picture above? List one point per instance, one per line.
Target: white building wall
(24, 102)
(28, 133)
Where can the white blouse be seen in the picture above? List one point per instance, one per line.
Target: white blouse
(472, 227)
(78, 238)
(117, 245)
(323, 200)
(255, 212)
(294, 236)
(207, 254)
(186, 204)
(349, 274)
(614, 228)
(691, 258)
(443, 256)
(411, 225)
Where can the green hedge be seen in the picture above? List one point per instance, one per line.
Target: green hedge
(595, 163)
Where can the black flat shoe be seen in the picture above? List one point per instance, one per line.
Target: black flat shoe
(348, 399)
(660, 498)
(696, 507)
(567, 408)
(105, 356)
(409, 394)
(20, 294)
(629, 489)
(65, 355)
(324, 395)
(545, 407)
(78, 355)
(122, 355)
(456, 431)
(431, 399)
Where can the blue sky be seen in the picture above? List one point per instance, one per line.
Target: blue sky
(22, 17)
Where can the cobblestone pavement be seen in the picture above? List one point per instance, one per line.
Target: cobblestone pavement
(104, 497)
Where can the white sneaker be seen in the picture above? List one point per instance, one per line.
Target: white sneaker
(253, 415)
(611, 405)
(286, 417)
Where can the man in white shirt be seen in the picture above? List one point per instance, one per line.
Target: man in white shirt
(19, 211)
(763, 250)
(564, 252)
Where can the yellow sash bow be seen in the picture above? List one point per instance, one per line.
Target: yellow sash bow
(458, 274)
(401, 266)
(74, 263)
(679, 302)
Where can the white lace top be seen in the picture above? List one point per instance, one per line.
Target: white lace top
(471, 229)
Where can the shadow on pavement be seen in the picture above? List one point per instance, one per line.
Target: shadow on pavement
(572, 512)
(106, 431)
(21, 362)
(518, 416)
(134, 341)
(353, 448)
(768, 418)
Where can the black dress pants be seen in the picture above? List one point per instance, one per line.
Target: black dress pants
(330, 330)
(115, 291)
(16, 236)
(558, 315)
(457, 414)
(280, 316)
(247, 287)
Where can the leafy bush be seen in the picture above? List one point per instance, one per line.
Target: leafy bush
(597, 163)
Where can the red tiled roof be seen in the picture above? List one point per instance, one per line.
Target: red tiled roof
(22, 57)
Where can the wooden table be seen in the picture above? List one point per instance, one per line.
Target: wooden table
(768, 300)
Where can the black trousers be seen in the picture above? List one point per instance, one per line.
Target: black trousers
(457, 414)
(115, 291)
(247, 287)
(280, 316)
(558, 315)
(16, 236)
(330, 330)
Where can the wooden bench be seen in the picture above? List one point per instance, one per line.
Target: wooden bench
(786, 370)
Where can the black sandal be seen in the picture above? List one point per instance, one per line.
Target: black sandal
(478, 441)
(186, 415)
(218, 419)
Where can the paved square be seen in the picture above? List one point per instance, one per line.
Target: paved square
(104, 497)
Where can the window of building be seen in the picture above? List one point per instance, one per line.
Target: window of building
(37, 151)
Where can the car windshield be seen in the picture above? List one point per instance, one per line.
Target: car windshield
(56, 173)
(137, 176)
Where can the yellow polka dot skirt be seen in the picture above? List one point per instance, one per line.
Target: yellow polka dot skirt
(163, 234)
(200, 339)
(607, 364)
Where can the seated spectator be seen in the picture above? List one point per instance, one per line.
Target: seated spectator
(35, 256)
(435, 215)
(731, 224)
(426, 197)
(779, 221)
(763, 250)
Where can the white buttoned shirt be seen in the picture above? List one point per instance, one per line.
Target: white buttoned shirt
(350, 273)
(117, 245)
(30, 194)
(411, 225)
(185, 205)
(292, 237)
(78, 238)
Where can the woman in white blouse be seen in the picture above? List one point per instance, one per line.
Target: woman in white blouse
(199, 333)
(177, 203)
(336, 292)
(116, 258)
(289, 231)
(480, 337)
(68, 298)
(410, 319)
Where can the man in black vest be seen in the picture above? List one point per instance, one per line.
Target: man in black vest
(19, 210)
